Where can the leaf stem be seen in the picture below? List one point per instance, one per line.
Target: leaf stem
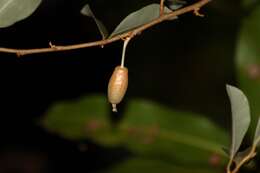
(194, 7)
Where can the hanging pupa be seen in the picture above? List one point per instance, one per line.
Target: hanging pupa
(117, 86)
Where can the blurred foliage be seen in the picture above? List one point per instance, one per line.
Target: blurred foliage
(147, 129)
(155, 166)
(248, 3)
(248, 62)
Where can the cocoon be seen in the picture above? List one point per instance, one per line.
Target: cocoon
(117, 86)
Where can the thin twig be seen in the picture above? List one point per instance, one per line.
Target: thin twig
(132, 33)
(248, 157)
(229, 166)
(161, 7)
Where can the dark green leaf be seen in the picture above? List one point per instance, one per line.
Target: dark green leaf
(154, 166)
(12, 11)
(257, 133)
(160, 131)
(147, 129)
(248, 62)
(249, 3)
(240, 117)
(77, 119)
(138, 18)
(101, 27)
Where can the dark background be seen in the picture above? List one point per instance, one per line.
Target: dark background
(184, 64)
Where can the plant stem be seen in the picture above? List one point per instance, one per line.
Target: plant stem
(229, 166)
(194, 7)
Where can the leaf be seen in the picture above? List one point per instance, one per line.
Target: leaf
(153, 166)
(147, 129)
(86, 10)
(257, 134)
(175, 4)
(12, 11)
(162, 132)
(138, 18)
(240, 117)
(248, 63)
(73, 119)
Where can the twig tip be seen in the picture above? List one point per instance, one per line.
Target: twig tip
(197, 13)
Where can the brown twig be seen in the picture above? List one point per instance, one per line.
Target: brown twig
(132, 33)
(249, 156)
(161, 7)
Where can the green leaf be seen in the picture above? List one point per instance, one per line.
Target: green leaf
(257, 134)
(75, 119)
(240, 117)
(248, 63)
(175, 4)
(157, 130)
(138, 18)
(154, 166)
(147, 129)
(12, 11)
(101, 27)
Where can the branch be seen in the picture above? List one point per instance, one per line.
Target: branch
(54, 48)
(249, 156)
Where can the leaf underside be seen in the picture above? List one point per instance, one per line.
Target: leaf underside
(138, 18)
(240, 117)
(86, 10)
(12, 11)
